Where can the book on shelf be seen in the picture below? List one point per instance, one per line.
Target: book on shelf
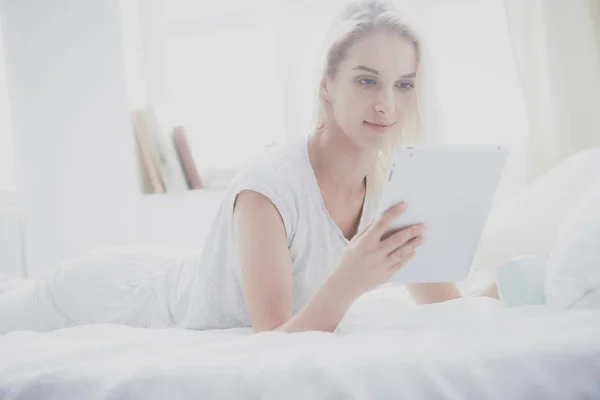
(151, 179)
(180, 141)
(165, 165)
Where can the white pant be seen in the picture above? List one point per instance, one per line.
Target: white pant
(121, 285)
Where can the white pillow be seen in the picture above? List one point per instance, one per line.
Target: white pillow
(573, 268)
(528, 224)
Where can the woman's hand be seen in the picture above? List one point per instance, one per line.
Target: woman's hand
(372, 258)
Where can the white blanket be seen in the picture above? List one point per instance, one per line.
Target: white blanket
(465, 349)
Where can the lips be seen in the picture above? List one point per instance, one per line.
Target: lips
(379, 126)
(379, 123)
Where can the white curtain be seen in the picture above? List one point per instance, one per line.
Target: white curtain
(556, 44)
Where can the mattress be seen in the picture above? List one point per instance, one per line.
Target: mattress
(470, 348)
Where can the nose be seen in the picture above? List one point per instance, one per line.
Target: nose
(385, 102)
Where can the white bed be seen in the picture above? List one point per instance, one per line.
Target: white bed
(472, 348)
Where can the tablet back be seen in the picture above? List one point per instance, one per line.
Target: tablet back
(450, 190)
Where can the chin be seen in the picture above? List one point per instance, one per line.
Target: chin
(366, 140)
(371, 139)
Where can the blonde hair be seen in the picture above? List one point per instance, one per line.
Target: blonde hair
(358, 20)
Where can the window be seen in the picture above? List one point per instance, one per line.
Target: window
(242, 74)
(7, 159)
(477, 86)
(478, 89)
(232, 102)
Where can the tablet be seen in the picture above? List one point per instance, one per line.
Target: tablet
(450, 190)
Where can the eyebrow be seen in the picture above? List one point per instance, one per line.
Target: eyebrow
(375, 72)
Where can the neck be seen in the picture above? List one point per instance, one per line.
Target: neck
(338, 163)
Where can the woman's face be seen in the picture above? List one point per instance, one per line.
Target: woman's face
(373, 92)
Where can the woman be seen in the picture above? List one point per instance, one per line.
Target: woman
(295, 242)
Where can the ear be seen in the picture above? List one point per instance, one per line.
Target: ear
(325, 88)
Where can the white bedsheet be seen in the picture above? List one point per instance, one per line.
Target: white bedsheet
(8, 283)
(465, 349)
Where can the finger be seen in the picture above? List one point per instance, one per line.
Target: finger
(362, 231)
(400, 254)
(401, 237)
(386, 219)
(404, 261)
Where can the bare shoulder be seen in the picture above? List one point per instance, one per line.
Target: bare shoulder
(252, 201)
(254, 208)
(270, 190)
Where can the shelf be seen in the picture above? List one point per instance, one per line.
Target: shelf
(179, 219)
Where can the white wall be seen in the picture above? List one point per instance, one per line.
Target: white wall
(11, 246)
(7, 179)
(76, 173)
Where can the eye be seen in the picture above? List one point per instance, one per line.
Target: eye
(367, 81)
(405, 85)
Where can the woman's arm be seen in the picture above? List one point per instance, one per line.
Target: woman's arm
(267, 273)
(367, 262)
(427, 293)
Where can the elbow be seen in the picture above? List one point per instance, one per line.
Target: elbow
(267, 326)
(259, 329)
(429, 293)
